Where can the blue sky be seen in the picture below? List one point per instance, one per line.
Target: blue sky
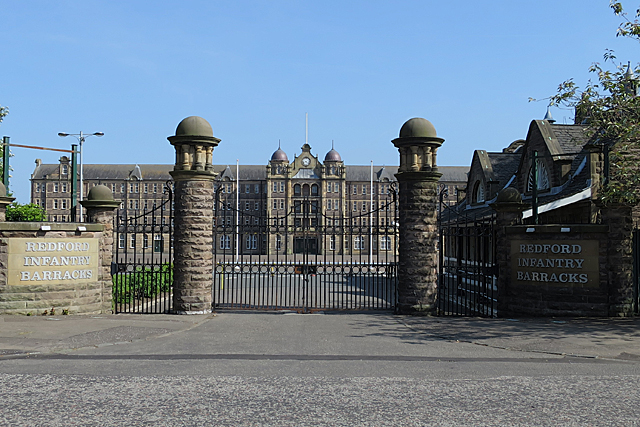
(360, 69)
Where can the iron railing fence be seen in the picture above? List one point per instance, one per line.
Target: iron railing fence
(142, 270)
(467, 268)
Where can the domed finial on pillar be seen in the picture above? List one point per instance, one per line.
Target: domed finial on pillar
(194, 143)
(418, 145)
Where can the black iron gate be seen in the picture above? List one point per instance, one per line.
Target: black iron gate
(142, 269)
(306, 259)
(468, 273)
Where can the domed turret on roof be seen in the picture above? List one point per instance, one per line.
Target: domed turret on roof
(279, 156)
(332, 156)
(418, 127)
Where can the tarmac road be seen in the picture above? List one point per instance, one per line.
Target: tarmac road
(286, 369)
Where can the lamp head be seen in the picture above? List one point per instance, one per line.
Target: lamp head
(63, 134)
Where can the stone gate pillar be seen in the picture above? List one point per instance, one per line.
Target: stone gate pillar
(509, 208)
(193, 176)
(418, 232)
(101, 207)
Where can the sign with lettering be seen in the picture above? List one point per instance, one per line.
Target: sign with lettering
(563, 263)
(50, 261)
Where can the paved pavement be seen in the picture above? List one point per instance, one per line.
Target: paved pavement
(614, 338)
(332, 369)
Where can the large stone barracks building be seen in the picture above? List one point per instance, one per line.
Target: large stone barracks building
(303, 193)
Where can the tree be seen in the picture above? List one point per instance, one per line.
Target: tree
(610, 105)
(28, 212)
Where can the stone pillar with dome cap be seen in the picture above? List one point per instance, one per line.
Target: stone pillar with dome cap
(417, 205)
(100, 207)
(193, 177)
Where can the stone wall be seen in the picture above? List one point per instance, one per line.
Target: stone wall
(24, 295)
(554, 270)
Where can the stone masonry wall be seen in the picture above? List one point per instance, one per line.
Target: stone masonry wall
(418, 255)
(33, 298)
(193, 239)
(540, 298)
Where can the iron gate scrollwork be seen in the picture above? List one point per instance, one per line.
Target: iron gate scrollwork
(307, 258)
(142, 270)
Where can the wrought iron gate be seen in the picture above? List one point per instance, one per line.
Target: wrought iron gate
(307, 259)
(468, 273)
(142, 270)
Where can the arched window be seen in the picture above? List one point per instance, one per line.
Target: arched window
(305, 190)
(314, 190)
(478, 192)
(543, 178)
(296, 190)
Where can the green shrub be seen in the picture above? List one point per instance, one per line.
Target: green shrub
(142, 283)
(25, 213)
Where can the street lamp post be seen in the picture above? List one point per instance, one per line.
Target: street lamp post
(81, 137)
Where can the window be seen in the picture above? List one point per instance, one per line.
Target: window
(275, 187)
(37, 187)
(137, 187)
(358, 243)
(247, 219)
(385, 243)
(275, 204)
(247, 188)
(336, 187)
(543, 177)
(65, 169)
(355, 206)
(297, 190)
(155, 188)
(478, 192)
(122, 187)
(113, 188)
(314, 190)
(282, 187)
(121, 241)
(157, 243)
(281, 203)
(256, 188)
(364, 189)
(55, 203)
(332, 243)
(38, 202)
(225, 242)
(56, 186)
(227, 188)
(63, 204)
(64, 187)
(278, 242)
(146, 187)
(251, 242)
(132, 241)
(355, 189)
(145, 240)
(364, 206)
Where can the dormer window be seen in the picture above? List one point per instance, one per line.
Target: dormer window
(543, 178)
(478, 192)
(65, 169)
